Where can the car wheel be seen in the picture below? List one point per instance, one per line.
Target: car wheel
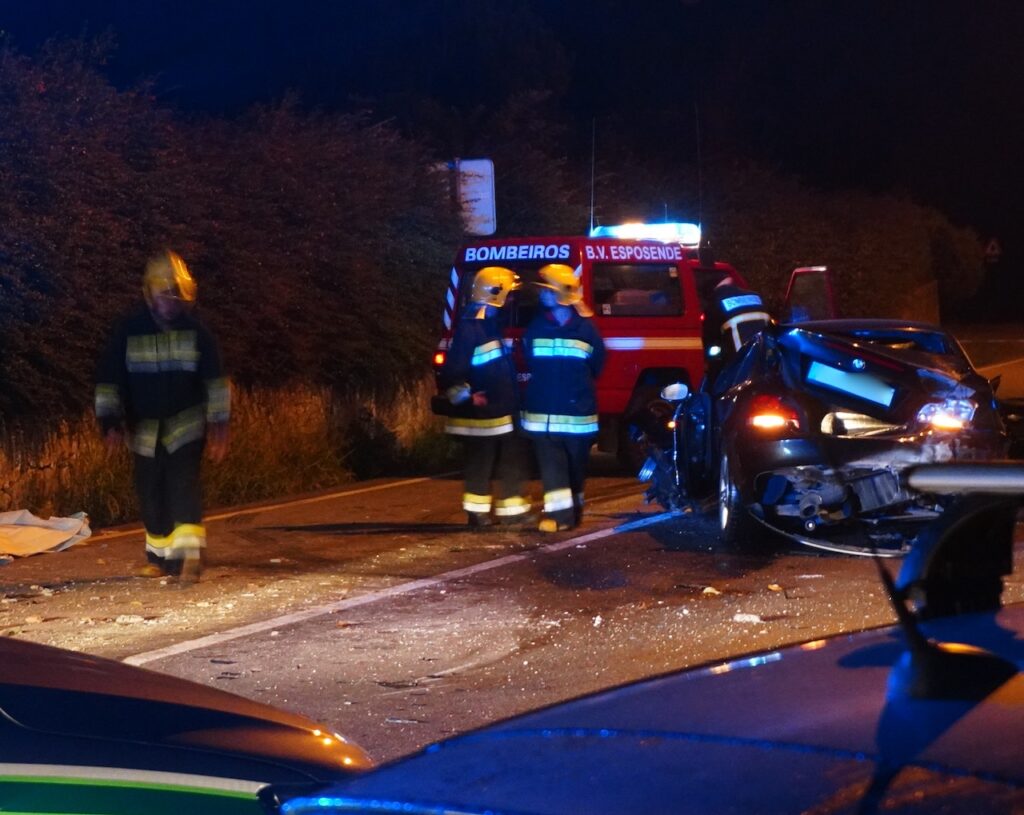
(735, 526)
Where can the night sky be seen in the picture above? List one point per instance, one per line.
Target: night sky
(915, 97)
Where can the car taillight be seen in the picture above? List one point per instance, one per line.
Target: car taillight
(767, 412)
(948, 415)
(439, 359)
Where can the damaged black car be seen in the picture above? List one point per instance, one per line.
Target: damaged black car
(808, 433)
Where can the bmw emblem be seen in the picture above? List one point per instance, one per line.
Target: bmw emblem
(859, 364)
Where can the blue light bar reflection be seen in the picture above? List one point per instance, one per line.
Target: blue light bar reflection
(746, 662)
(863, 386)
(673, 232)
(362, 806)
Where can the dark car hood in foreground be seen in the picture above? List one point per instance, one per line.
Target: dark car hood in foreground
(803, 729)
(57, 701)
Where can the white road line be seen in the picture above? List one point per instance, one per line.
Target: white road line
(105, 536)
(384, 594)
(1002, 364)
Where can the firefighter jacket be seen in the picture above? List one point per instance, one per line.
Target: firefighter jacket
(478, 361)
(162, 385)
(564, 362)
(735, 315)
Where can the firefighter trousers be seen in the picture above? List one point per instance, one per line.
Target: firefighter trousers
(504, 459)
(563, 460)
(170, 499)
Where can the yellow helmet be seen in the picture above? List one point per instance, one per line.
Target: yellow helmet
(562, 280)
(492, 285)
(167, 272)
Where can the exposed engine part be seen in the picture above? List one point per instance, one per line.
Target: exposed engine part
(881, 489)
(814, 492)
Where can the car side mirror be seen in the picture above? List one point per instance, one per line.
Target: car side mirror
(676, 392)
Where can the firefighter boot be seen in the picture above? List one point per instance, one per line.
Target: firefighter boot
(552, 525)
(191, 568)
(479, 520)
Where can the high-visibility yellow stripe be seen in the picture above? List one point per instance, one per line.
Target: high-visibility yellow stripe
(187, 538)
(479, 427)
(108, 400)
(488, 352)
(218, 400)
(157, 544)
(561, 347)
(558, 500)
(187, 426)
(166, 351)
(476, 503)
(556, 423)
(510, 507)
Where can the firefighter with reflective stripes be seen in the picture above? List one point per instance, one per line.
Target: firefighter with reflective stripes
(734, 316)
(160, 388)
(564, 355)
(479, 380)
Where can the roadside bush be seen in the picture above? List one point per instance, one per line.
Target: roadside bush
(284, 442)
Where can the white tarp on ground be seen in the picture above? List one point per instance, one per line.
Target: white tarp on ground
(22, 533)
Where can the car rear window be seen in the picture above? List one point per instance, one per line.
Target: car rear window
(928, 342)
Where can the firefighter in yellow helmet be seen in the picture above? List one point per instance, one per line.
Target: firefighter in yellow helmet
(160, 387)
(564, 356)
(479, 380)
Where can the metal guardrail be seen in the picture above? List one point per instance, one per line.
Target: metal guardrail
(991, 478)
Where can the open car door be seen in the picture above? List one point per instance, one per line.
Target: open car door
(810, 295)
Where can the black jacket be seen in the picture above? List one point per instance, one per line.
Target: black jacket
(159, 383)
(564, 362)
(479, 361)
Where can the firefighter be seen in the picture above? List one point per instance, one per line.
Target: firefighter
(479, 380)
(734, 316)
(160, 388)
(564, 355)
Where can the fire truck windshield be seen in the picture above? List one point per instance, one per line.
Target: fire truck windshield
(618, 290)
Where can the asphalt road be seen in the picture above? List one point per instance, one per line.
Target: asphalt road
(375, 610)
(996, 350)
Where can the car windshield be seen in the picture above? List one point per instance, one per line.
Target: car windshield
(619, 290)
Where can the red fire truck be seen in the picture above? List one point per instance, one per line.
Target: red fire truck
(647, 284)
